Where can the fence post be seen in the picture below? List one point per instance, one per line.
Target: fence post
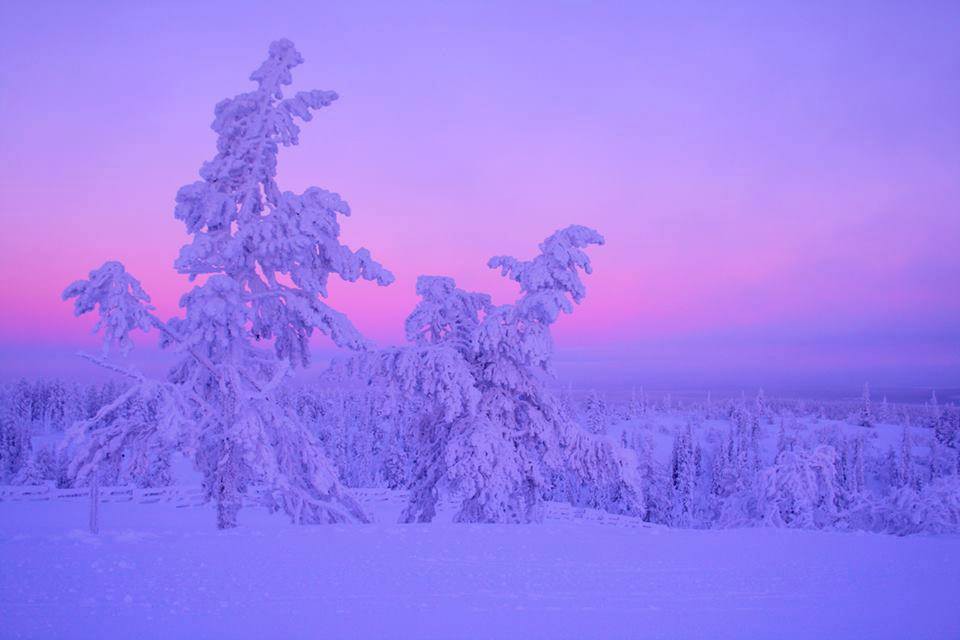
(95, 503)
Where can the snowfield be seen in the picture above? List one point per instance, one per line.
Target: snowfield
(157, 571)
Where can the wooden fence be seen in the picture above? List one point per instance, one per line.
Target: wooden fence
(192, 496)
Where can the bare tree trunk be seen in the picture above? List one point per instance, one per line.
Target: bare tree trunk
(227, 510)
(95, 504)
(227, 490)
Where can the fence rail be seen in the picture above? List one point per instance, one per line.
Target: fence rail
(179, 495)
(182, 496)
(185, 496)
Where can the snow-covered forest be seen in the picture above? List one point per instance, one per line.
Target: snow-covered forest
(857, 464)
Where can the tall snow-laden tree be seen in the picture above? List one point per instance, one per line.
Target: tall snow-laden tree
(865, 414)
(857, 475)
(263, 258)
(596, 413)
(15, 443)
(736, 483)
(638, 404)
(783, 440)
(945, 425)
(515, 350)
(761, 405)
(489, 429)
(905, 476)
(884, 413)
(934, 410)
(683, 476)
(800, 489)
(21, 403)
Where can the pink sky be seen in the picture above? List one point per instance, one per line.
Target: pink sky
(778, 185)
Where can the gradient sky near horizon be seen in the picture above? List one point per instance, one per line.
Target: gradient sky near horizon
(778, 183)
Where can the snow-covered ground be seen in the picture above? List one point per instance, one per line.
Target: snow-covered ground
(156, 571)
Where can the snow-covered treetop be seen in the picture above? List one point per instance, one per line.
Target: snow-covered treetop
(278, 247)
(445, 314)
(516, 338)
(122, 304)
(548, 279)
(461, 338)
(269, 253)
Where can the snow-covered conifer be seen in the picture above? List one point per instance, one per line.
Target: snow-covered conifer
(857, 473)
(944, 426)
(567, 403)
(15, 442)
(683, 474)
(884, 412)
(265, 257)
(596, 413)
(800, 489)
(842, 463)
(943, 445)
(783, 441)
(637, 407)
(905, 476)
(490, 431)
(934, 411)
(761, 405)
(865, 414)
(735, 482)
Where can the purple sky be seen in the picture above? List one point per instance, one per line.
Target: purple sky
(779, 184)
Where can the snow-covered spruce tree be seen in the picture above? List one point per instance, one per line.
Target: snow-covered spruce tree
(653, 479)
(865, 413)
(723, 484)
(760, 402)
(15, 443)
(489, 430)
(683, 476)
(567, 402)
(736, 484)
(857, 473)
(784, 441)
(905, 475)
(430, 386)
(884, 413)
(596, 413)
(638, 404)
(800, 489)
(934, 411)
(842, 464)
(515, 350)
(945, 427)
(264, 258)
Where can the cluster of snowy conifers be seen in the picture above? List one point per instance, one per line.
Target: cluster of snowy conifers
(469, 395)
(785, 465)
